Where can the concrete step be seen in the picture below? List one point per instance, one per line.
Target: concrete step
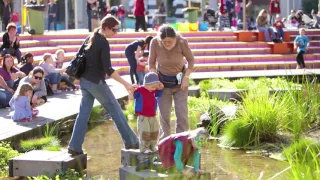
(212, 59)
(196, 52)
(239, 66)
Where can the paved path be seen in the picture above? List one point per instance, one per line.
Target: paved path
(67, 104)
(58, 107)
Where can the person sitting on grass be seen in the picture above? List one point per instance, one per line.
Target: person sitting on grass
(20, 104)
(176, 150)
(146, 98)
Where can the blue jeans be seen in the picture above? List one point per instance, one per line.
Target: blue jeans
(266, 33)
(16, 53)
(103, 94)
(5, 97)
(10, 83)
(89, 20)
(280, 33)
(54, 78)
(141, 76)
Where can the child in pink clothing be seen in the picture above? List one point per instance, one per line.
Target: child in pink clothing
(234, 22)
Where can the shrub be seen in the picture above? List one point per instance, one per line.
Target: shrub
(238, 133)
(243, 83)
(205, 85)
(6, 153)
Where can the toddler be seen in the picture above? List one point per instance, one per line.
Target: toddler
(20, 104)
(176, 150)
(278, 24)
(301, 43)
(141, 67)
(145, 107)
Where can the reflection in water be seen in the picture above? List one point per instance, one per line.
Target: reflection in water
(103, 145)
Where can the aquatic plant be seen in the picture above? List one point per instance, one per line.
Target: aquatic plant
(304, 161)
(48, 143)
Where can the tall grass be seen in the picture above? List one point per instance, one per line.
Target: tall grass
(50, 143)
(304, 160)
(258, 118)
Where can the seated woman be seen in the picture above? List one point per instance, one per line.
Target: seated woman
(26, 63)
(58, 63)
(51, 73)
(11, 42)
(263, 25)
(8, 72)
(6, 93)
(36, 79)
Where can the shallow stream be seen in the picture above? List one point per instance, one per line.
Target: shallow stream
(103, 145)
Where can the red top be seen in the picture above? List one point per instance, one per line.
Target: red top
(138, 8)
(166, 149)
(278, 25)
(141, 67)
(121, 12)
(274, 7)
(146, 102)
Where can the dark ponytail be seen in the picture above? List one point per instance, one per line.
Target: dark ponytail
(25, 58)
(147, 41)
(107, 22)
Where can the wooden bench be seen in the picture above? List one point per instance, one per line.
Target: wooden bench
(278, 48)
(260, 36)
(291, 47)
(244, 36)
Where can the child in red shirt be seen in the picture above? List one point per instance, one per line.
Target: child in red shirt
(121, 13)
(141, 67)
(278, 24)
(145, 107)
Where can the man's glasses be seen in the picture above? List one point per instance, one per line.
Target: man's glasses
(37, 77)
(114, 30)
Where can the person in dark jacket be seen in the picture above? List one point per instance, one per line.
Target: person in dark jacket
(26, 63)
(52, 14)
(133, 52)
(89, 16)
(139, 12)
(7, 10)
(11, 42)
(93, 86)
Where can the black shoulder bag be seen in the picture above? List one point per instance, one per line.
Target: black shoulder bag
(77, 65)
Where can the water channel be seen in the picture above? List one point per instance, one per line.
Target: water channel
(103, 145)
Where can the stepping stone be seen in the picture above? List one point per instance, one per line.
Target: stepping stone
(126, 173)
(131, 157)
(194, 91)
(39, 162)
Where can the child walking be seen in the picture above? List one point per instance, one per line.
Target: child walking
(145, 107)
(20, 103)
(301, 43)
(278, 24)
(176, 150)
(141, 67)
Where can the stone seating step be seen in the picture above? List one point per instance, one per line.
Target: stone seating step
(213, 59)
(196, 52)
(40, 162)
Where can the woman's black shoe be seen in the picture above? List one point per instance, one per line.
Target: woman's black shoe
(74, 153)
